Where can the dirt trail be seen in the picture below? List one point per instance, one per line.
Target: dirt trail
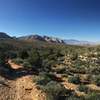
(13, 65)
(26, 90)
(20, 89)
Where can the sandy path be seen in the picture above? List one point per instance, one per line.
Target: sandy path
(13, 65)
(26, 90)
(22, 88)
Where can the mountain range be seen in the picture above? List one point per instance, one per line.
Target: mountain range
(4, 35)
(47, 39)
(42, 38)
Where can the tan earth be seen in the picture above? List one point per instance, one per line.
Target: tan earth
(13, 65)
(20, 89)
(23, 88)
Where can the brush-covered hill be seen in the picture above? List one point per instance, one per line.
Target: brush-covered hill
(55, 71)
(4, 36)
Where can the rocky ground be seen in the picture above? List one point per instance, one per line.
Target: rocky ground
(19, 89)
(23, 88)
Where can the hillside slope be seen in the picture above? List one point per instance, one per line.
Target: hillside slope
(19, 89)
(4, 35)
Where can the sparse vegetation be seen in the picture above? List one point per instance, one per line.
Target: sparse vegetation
(83, 88)
(97, 80)
(18, 61)
(74, 79)
(53, 65)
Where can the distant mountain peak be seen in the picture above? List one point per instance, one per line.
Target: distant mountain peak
(42, 38)
(48, 39)
(4, 35)
(77, 42)
(56, 40)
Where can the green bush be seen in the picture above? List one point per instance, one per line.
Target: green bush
(18, 61)
(34, 58)
(47, 64)
(26, 64)
(75, 98)
(54, 90)
(74, 56)
(97, 80)
(2, 59)
(95, 70)
(83, 88)
(2, 62)
(11, 54)
(42, 79)
(75, 79)
(23, 54)
(93, 96)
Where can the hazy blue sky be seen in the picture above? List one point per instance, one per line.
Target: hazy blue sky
(75, 19)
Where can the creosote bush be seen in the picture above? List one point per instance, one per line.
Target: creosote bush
(93, 96)
(97, 80)
(54, 90)
(18, 61)
(83, 88)
(74, 79)
(26, 64)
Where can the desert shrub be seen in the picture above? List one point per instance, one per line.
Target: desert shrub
(54, 90)
(93, 96)
(23, 54)
(95, 70)
(59, 69)
(26, 64)
(2, 59)
(18, 61)
(11, 54)
(2, 62)
(97, 80)
(34, 58)
(45, 53)
(78, 64)
(42, 79)
(89, 78)
(47, 64)
(74, 79)
(52, 57)
(65, 75)
(81, 70)
(74, 56)
(45, 78)
(74, 98)
(83, 88)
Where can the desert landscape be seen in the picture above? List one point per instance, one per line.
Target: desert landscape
(34, 69)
